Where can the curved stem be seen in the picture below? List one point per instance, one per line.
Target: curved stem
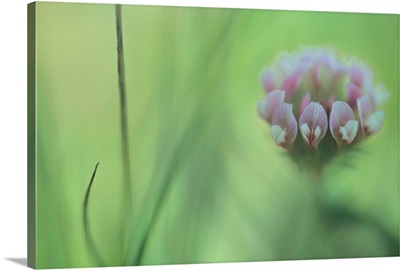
(88, 235)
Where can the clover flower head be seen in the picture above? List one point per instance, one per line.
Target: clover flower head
(332, 102)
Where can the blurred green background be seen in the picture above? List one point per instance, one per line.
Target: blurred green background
(208, 182)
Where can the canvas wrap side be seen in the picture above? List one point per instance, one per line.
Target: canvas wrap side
(31, 135)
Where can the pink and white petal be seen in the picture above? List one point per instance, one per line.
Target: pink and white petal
(341, 69)
(330, 102)
(318, 133)
(282, 114)
(369, 89)
(382, 95)
(323, 58)
(306, 55)
(316, 120)
(268, 79)
(340, 115)
(356, 75)
(305, 102)
(303, 67)
(349, 131)
(361, 74)
(272, 101)
(305, 132)
(353, 92)
(364, 107)
(367, 73)
(285, 64)
(314, 115)
(261, 109)
(305, 61)
(292, 128)
(284, 118)
(374, 122)
(327, 104)
(291, 83)
(321, 125)
(315, 78)
(278, 134)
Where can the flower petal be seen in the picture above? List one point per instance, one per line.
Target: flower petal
(267, 106)
(323, 58)
(268, 79)
(330, 102)
(305, 132)
(305, 61)
(369, 90)
(349, 131)
(364, 107)
(327, 104)
(291, 83)
(360, 74)
(370, 123)
(284, 119)
(261, 109)
(341, 69)
(382, 95)
(374, 122)
(353, 92)
(286, 64)
(278, 134)
(305, 102)
(356, 75)
(342, 123)
(315, 79)
(313, 124)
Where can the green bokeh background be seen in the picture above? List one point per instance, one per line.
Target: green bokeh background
(228, 193)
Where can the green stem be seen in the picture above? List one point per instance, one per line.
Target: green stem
(128, 215)
(334, 217)
(88, 235)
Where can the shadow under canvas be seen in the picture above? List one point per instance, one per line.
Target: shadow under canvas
(20, 261)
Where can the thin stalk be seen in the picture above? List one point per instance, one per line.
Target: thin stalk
(124, 124)
(88, 235)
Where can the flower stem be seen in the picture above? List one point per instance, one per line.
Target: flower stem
(124, 124)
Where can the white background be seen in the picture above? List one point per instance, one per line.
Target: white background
(13, 190)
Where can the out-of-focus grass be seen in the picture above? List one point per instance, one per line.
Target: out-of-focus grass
(209, 185)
